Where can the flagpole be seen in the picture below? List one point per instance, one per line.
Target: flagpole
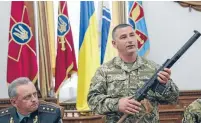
(36, 38)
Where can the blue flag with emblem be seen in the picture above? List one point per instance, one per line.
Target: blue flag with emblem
(137, 20)
(105, 27)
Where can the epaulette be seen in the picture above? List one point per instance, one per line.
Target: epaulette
(47, 108)
(4, 112)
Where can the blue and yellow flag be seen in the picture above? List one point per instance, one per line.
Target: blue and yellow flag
(107, 50)
(89, 56)
(136, 19)
(105, 27)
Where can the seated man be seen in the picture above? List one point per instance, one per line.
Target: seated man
(26, 107)
(192, 113)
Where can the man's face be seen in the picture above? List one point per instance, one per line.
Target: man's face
(26, 100)
(125, 41)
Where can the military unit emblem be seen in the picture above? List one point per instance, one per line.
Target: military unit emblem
(137, 21)
(63, 25)
(21, 33)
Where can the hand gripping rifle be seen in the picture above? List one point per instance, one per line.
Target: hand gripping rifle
(142, 92)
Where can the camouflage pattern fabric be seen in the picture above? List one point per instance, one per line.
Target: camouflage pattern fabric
(192, 113)
(114, 80)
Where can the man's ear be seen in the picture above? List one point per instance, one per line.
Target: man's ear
(114, 43)
(13, 101)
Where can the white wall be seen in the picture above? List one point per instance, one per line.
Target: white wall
(169, 27)
(4, 27)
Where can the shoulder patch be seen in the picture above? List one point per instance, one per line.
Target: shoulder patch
(4, 112)
(47, 108)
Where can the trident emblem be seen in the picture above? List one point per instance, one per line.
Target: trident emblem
(62, 25)
(21, 33)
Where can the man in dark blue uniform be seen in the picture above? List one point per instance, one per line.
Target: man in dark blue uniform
(26, 107)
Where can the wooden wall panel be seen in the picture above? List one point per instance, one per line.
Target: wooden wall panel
(167, 113)
(174, 113)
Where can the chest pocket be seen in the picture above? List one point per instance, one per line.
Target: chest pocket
(145, 75)
(116, 85)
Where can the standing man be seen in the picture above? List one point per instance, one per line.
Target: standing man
(116, 81)
(26, 107)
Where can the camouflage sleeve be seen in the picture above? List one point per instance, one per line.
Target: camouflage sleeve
(192, 113)
(98, 100)
(169, 93)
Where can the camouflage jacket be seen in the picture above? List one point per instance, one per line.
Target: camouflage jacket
(114, 80)
(192, 113)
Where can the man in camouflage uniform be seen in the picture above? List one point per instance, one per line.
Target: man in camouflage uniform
(192, 113)
(116, 81)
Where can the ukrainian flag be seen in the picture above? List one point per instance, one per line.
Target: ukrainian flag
(89, 56)
(137, 20)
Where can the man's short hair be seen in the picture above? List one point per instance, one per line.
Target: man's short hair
(12, 88)
(118, 27)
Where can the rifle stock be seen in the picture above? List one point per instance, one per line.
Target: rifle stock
(142, 92)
